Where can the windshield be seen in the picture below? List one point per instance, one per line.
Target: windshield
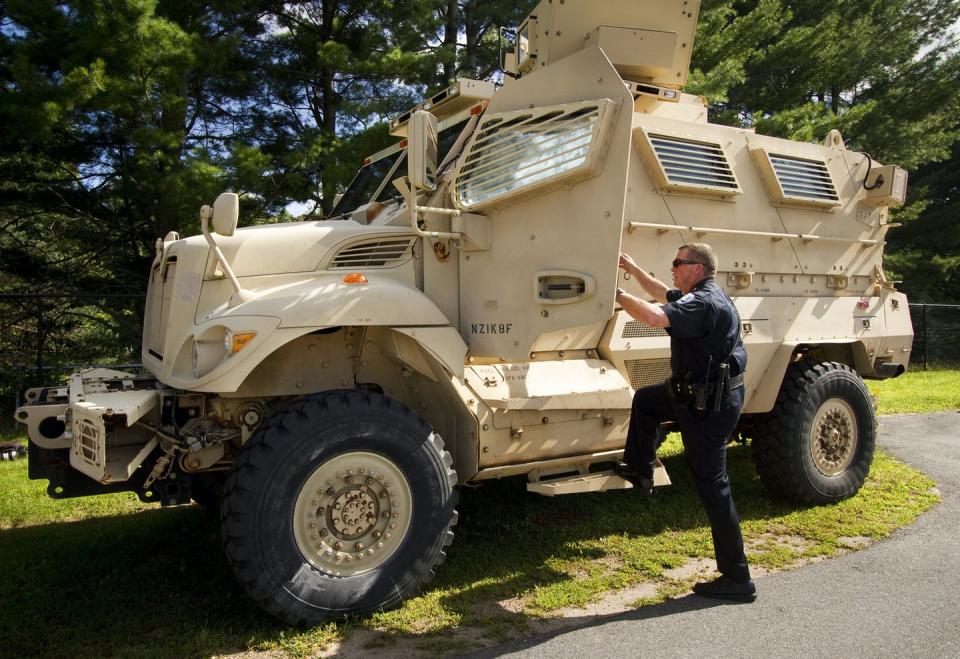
(374, 179)
(366, 183)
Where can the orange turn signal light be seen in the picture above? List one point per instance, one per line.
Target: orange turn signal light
(239, 340)
(354, 278)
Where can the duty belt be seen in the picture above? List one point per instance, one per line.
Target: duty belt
(689, 389)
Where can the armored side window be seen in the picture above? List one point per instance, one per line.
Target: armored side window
(514, 153)
(687, 165)
(794, 180)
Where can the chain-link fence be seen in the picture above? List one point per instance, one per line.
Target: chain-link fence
(936, 336)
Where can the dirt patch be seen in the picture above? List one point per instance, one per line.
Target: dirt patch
(616, 602)
(855, 542)
(767, 541)
(611, 562)
(691, 569)
(512, 605)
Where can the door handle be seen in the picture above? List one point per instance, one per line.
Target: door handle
(562, 286)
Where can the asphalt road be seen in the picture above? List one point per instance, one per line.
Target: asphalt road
(897, 598)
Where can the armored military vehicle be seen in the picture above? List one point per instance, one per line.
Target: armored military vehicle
(330, 383)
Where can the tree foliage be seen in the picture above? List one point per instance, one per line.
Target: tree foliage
(886, 74)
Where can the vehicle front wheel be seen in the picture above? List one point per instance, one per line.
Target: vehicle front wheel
(342, 503)
(816, 445)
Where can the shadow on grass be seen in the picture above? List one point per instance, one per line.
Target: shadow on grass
(156, 583)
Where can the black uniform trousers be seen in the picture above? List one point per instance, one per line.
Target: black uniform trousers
(705, 436)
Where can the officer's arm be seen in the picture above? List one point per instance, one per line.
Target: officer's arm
(646, 312)
(653, 286)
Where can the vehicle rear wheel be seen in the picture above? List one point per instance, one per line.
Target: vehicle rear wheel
(342, 503)
(816, 445)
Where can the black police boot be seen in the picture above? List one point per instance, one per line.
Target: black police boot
(725, 588)
(641, 483)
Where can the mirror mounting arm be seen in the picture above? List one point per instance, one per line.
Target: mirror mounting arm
(411, 196)
(240, 295)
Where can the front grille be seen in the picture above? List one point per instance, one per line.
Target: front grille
(381, 253)
(645, 372)
(89, 443)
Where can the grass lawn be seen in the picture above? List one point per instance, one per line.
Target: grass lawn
(918, 391)
(111, 576)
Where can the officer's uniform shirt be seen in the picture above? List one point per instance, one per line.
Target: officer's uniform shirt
(703, 325)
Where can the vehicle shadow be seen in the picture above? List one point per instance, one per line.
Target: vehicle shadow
(683, 604)
(156, 582)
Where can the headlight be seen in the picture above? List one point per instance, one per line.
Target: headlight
(204, 357)
(195, 359)
(214, 345)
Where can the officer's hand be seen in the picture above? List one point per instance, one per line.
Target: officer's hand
(627, 263)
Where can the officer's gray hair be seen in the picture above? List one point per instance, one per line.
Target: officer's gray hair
(704, 253)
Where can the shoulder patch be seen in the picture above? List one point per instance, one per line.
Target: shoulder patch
(686, 298)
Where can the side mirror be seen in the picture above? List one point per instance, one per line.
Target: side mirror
(226, 213)
(422, 152)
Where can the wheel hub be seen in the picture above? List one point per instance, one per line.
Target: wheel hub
(834, 437)
(352, 513)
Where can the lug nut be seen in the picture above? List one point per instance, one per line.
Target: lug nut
(338, 546)
(348, 480)
(358, 546)
(377, 534)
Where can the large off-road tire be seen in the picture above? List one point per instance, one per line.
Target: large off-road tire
(341, 503)
(816, 445)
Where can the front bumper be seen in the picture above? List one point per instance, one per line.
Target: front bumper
(96, 420)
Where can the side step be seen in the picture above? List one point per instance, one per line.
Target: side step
(600, 481)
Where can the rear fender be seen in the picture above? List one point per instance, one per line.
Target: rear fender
(762, 395)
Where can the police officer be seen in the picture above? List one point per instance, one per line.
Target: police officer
(704, 397)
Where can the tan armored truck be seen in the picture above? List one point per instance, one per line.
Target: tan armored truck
(332, 382)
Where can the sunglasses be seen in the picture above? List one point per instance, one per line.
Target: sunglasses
(678, 262)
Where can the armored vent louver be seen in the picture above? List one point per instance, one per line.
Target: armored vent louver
(513, 153)
(683, 164)
(381, 253)
(791, 179)
(646, 372)
(634, 329)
